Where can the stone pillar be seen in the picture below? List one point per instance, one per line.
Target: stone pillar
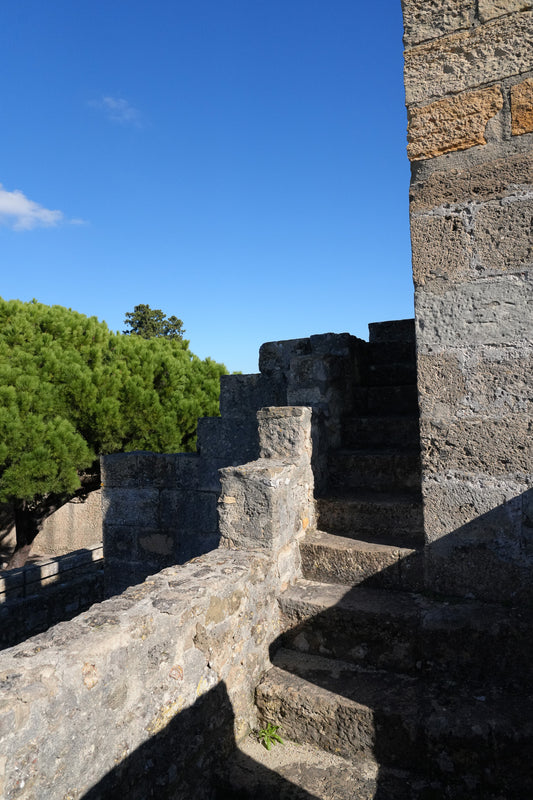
(268, 504)
(469, 93)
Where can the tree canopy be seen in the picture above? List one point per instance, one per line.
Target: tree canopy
(71, 390)
(152, 323)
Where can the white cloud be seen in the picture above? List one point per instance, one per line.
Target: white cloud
(22, 214)
(118, 110)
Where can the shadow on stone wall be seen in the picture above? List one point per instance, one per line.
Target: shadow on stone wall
(39, 595)
(186, 759)
(452, 708)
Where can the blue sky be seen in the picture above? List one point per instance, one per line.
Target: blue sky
(238, 163)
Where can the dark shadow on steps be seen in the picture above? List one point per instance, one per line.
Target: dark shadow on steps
(439, 685)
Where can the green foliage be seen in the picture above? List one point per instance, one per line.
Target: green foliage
(150, 323)
(71, 390)
(269, 736)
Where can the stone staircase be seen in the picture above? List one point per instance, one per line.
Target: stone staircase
(390, 693)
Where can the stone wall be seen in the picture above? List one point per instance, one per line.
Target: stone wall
(47, 591)
(145, 694)
(161, 510)
(469, 91)
(75, 525)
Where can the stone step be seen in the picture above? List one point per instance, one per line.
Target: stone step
(385, 400)
(361, 513)
(395, 330)
(400, 431)
(403, 722)
(302, 772)
(295, 772)
(380, 470)
(467, 643)
(337, 559)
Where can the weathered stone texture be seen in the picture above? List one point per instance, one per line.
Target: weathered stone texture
(503, 234)
(490, 180)
(441, 247)
(489, 9)
(285, 432)
(469, 59)
(490, 382)
(167, 671)
(478, 313)
(268, 503)
(471, 205)
(429, 19)
(454, 123)
(499, 447)
(522, 107)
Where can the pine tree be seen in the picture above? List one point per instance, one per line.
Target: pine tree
(152, 323)
(71, 390)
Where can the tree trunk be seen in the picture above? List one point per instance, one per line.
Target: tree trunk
(27, 526)
(30, 516)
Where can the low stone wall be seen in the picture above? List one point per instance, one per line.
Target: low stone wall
(145, 694)
(146, 690)
(41, 594)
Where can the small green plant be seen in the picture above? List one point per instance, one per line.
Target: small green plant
(269, 736)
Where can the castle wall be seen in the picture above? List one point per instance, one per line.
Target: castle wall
(146, 693)
(469, 93)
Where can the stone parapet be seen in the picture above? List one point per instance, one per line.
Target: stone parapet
(48, 591)
(268, 504)
(154, 685)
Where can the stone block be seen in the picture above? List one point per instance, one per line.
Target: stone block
(156, 469)
(469, 59)
(399, 331)
(187, 468)
(503, 235)
(429, 19)
(229, 439)
(496, 447)
(468, 509)
(195, 546)
(137, 507)
(243, 395)
(189, 511)
(495, 311)
(120, 470)
(475, 182)
(522, 107)
(491, 382)
(454, 123)
(156, 545)
(120, 542)
(489, 9)
(208, 476)
(275, 357)
(285, 432)
(333, 344)
(265, 504)
(441, 248)
(477, 544)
